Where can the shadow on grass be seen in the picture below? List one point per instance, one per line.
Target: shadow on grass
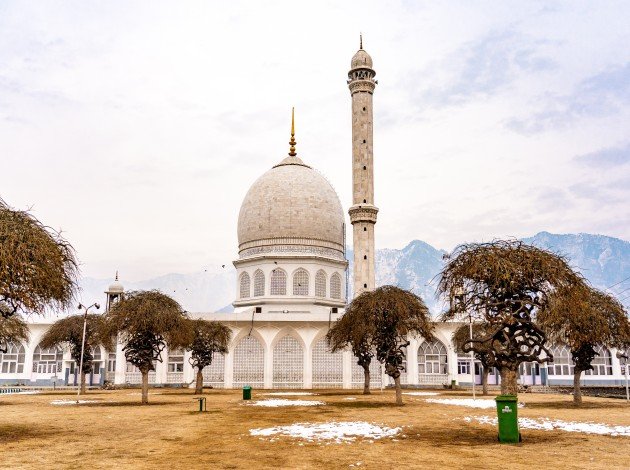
(363, 404)
(568, 405)
(106, 404)
(475, 437)
(20, 432)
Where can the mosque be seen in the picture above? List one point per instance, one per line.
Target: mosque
(292, 276)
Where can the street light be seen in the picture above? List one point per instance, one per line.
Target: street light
(81, 306)
(460, 295)
(620, 356)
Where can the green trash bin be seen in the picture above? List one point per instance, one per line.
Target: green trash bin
(507, 411)
(247, 392)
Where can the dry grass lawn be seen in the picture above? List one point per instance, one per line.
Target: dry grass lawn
(117, 433)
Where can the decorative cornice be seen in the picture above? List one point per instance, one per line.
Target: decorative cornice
(293, 241)
(365, 85)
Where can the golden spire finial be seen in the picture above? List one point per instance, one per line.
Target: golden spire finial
(292, 141)
(360, 40)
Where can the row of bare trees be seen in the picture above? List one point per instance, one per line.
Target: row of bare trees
(520, 299)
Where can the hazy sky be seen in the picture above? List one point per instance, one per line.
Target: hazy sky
(137, 127)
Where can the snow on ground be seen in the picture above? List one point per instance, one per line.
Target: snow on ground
(479, 403)
(290, 394)
(25, 392)
(421, 394)
(71, 402)
(546, 424)
(337, 432)
(275, 402)
(350, 398)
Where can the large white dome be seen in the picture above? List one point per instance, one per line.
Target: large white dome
(291, 208)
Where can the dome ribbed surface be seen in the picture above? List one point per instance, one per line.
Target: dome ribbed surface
(291, 201)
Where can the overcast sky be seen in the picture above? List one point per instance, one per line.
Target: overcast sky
(137, 127)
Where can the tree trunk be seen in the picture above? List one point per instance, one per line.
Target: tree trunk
(484, 380)
(508, 382)
(145, 387)
(577, 390)
(199, 384)
(399, 401)
(83, 387)
(366, 383)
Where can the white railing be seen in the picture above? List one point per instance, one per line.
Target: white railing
(433, 379)
(174, 377)
(136, 377)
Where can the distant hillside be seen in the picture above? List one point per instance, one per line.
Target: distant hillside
(604, 261)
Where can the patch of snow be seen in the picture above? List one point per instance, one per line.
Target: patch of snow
(275, 402)
(350, 398)
(479, 403)
(338, 432)
(71, 402)
(546, 424)
(25, 392)
(290, 394)
(421, 394)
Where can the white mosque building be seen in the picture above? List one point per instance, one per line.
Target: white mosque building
(291, 286)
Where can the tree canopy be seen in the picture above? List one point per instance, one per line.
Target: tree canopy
(208, 338)
(583, 318)
(504, 284)
(12, 330)
(38, 267)
(69, 332)
(378, 323)
(146, 321)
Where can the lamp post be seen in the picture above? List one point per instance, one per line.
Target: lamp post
(460, 296)
(620, 356)
(81, 306)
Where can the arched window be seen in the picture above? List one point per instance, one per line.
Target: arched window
(562, 363)
(47, 361)
(96, 360)
(12, 361)
(249, 362)
(288, 363)
(259, 283)
(602, 364)
(278, 282)
(300, 282)
(335, 286)
(327, 366)
(245, 286)
(432, 358)
(320, 283)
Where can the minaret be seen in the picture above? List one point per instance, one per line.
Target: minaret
(363, 211)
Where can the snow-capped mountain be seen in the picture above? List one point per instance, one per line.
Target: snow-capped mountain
(604, 261)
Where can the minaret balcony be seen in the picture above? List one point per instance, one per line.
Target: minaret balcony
(363, 213)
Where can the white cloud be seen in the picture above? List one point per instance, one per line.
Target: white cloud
(138, 127)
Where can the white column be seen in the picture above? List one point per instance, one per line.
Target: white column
(228, 376)
(268, 370)
(119, 377)
(412, 361)
(308, 365)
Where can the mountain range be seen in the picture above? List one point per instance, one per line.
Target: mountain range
(603, 260)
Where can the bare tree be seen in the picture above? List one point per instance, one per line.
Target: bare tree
(12, 330)
(146, 321)
(505, 284)
(208, 338)
(68, 332)
(397, 314)
(583, 318)
(461, 338)
(355, 329)
(38, 267)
